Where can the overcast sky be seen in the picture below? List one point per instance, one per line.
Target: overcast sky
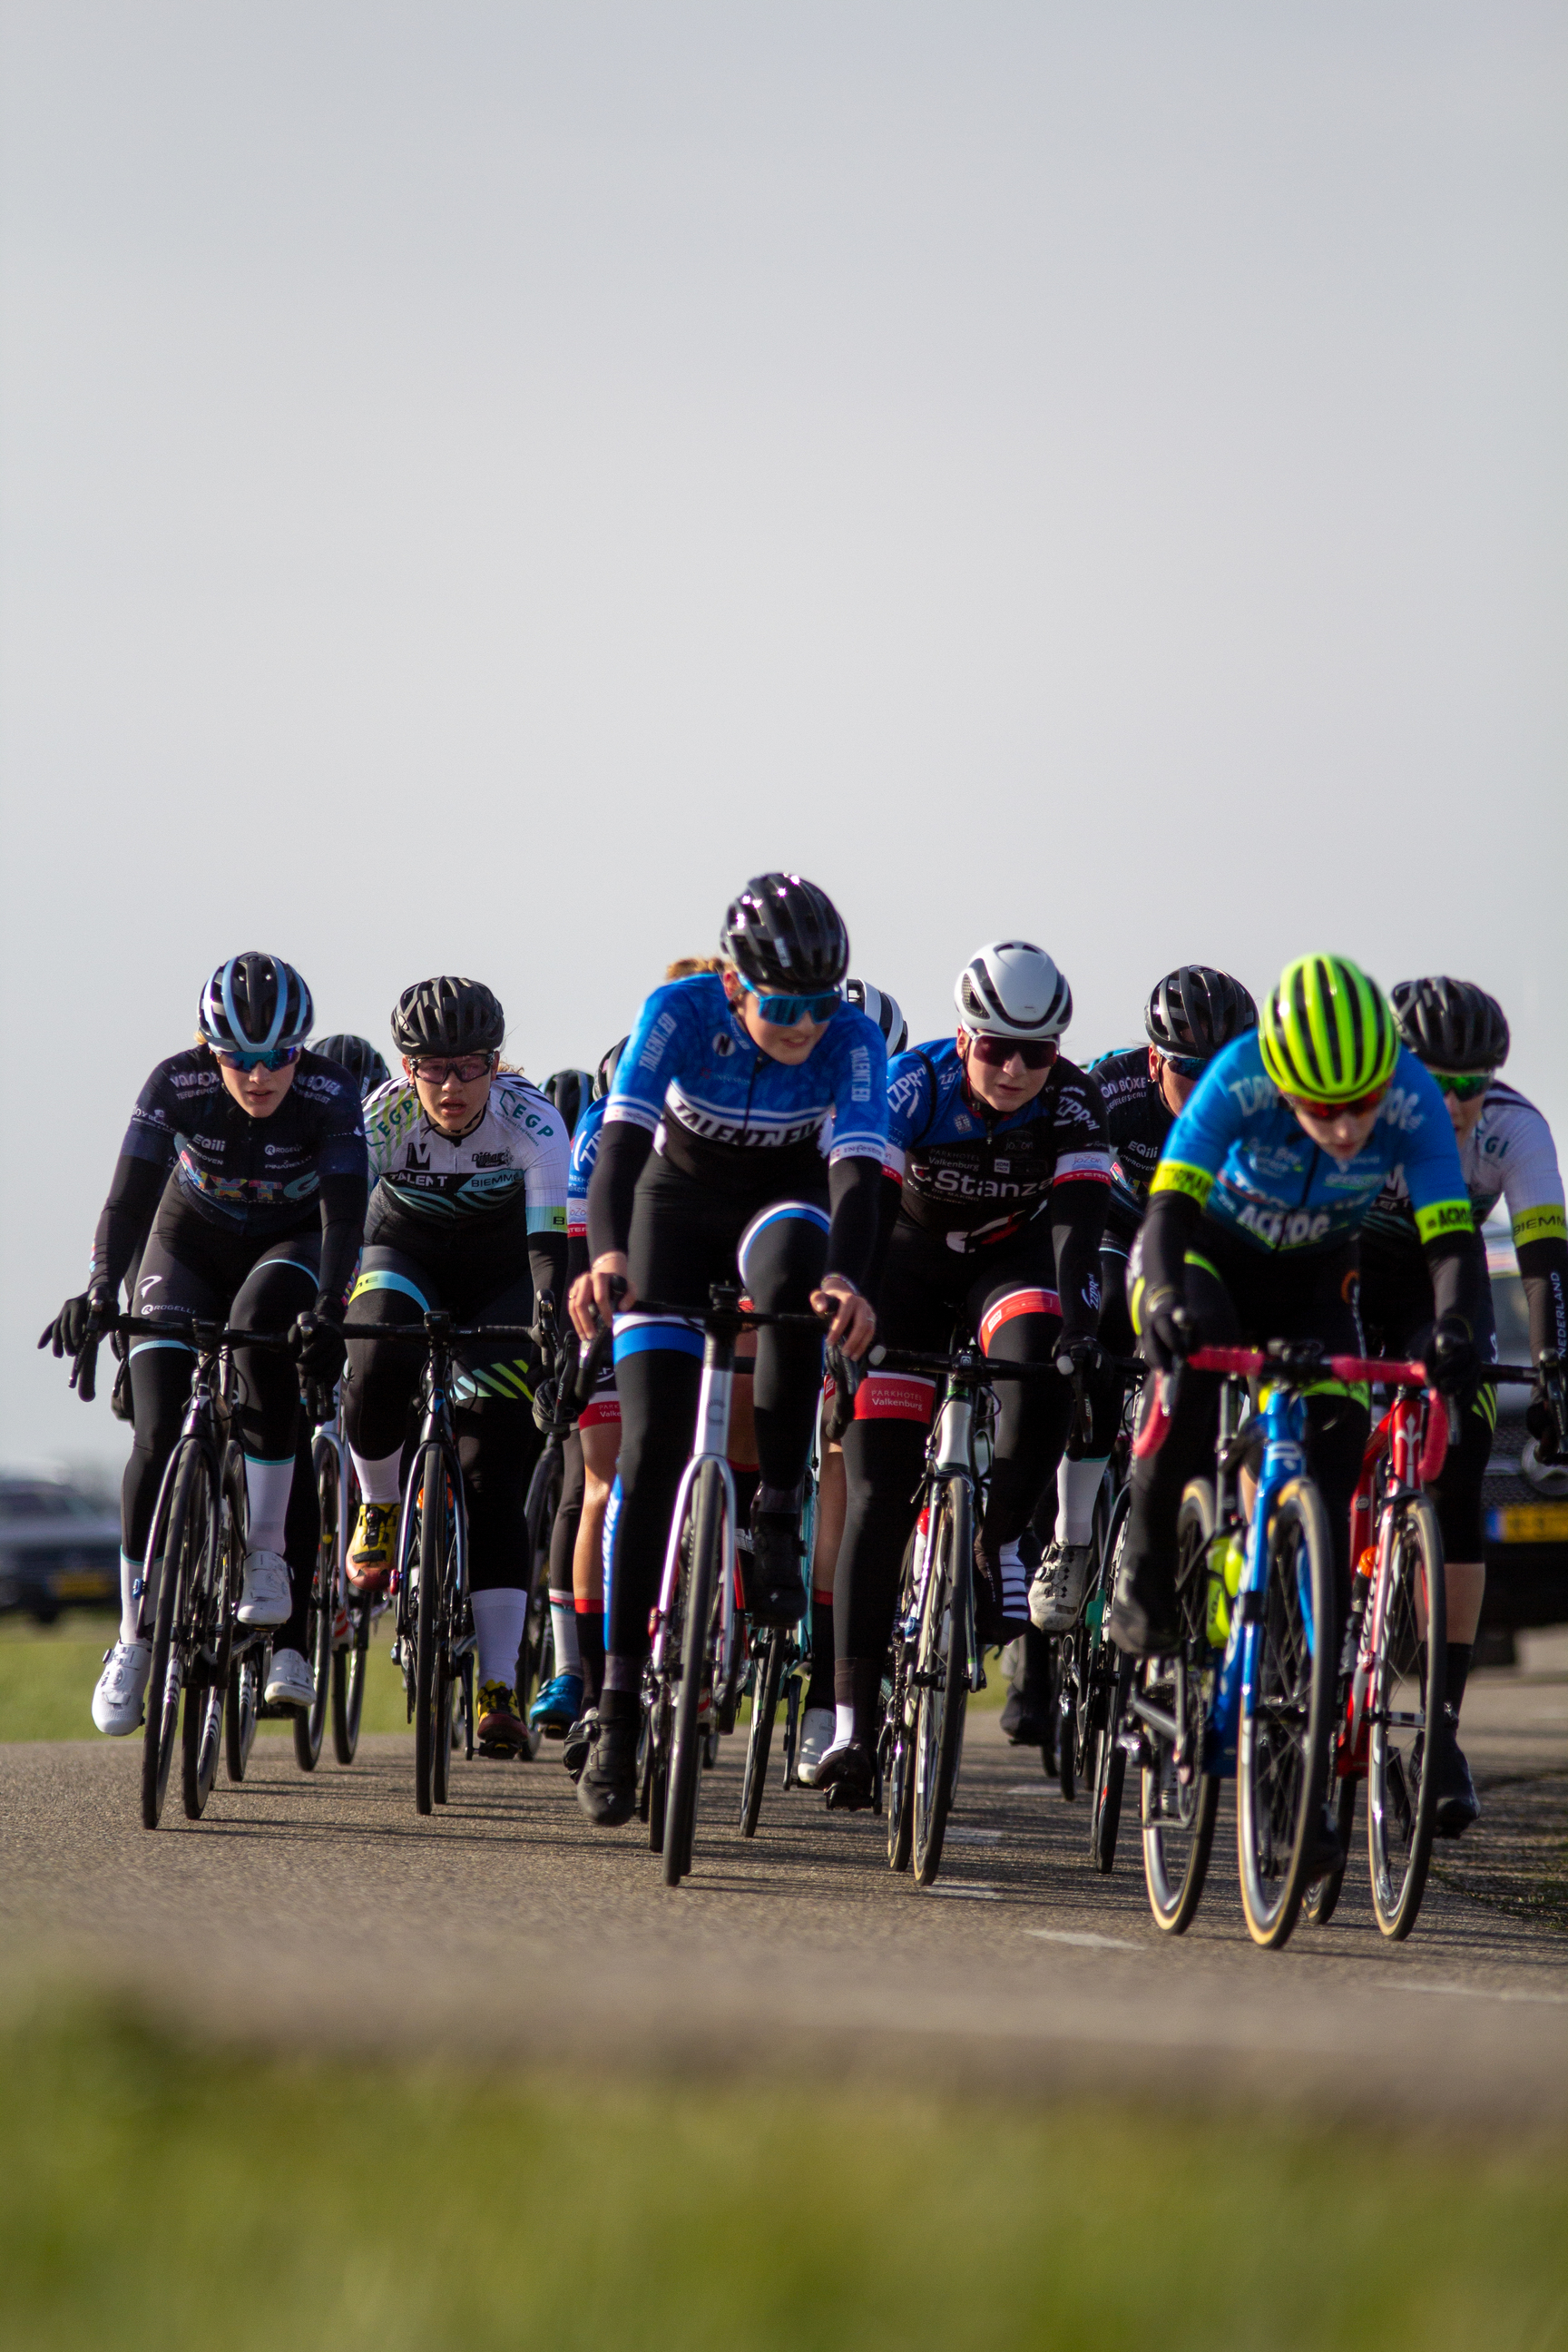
(479, 481)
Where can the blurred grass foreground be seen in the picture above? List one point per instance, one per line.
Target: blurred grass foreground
(156, 2193)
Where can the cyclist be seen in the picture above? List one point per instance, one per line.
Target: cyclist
(711, 1160)
(998, 1173)
(1506, 1153)
(468, 1215)
(1190, 1016)
(358, 1056)
(241, 1188)
(1254, 1211)
(568, 1092)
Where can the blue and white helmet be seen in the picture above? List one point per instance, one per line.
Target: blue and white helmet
(256, 1003)
(881, 1008)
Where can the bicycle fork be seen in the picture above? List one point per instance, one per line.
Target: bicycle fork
(713, 1438)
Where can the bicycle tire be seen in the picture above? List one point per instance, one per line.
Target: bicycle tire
(661, 1732)
(1286, 1721)
(1322, 1899)
(183, 1516)
(310, 1722)
(203, 1728)
(1178, 1815)
(1067, 1731)
(535, 1663)
(895, 1747)
(707, 1509)
(1109, 1677)
(1398, 1863)
(241, 1705)
(942, 1696)
(444, 1721)
(770, 1667)
(429, 1479)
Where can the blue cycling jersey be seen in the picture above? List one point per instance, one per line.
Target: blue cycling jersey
(1238, 1151)
(971, 1175)
(585, 1152)
(722, 1109)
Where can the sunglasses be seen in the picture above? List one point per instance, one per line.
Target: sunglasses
(1351, 1109)
(278, 1060)
(785, 1010)
(1035, 1053)
(1464, 1084)
(1186, 1065)
(463, 1067)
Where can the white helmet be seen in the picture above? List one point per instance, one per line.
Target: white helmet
(1011, 989)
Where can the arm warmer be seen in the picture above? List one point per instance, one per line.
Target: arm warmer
(1543, 1266)
(623, 1148)
(343, 1199)
(854, 1200)
(127, 1219)
(1169, 1230)
(1458, 1266)
(1077, 1214)
(547, 1258)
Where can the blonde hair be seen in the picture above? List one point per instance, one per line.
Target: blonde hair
(686, 967)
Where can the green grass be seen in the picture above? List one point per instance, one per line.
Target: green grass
(154, 2194)
(47, 1672)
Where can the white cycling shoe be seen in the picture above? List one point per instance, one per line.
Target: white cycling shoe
(815, 1739)
(117, 1700)
(1055, 1595)
(290, 1682)
(266, 1594)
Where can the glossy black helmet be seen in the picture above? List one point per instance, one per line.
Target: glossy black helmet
(256, 1003)
(605, 1076)
(883, 1010)
(571, 1091)
(786, 936)
(355, 1055)
(1451, 1024)
(1194, 1011)
(448, 1016)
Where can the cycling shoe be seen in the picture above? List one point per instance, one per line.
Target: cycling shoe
(607, 1786)
(849, 1778)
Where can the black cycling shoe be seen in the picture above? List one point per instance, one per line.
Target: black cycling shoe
(1026, 1717)
(849, 1778)
(775, 1591)
(1022, 1726)
(1143, 1622)
(578, 1742)
(1330, 1854)
(1458, 1807)
(607, 1785)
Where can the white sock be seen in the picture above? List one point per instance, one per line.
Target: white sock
(378, 1480)
(499, 1616)
(1015, 1580)
(131, 1599)
(843, 1726)
(266, 1487)
(563, 1624)
(1077, 1483)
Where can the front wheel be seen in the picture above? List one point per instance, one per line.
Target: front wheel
(769, 1677)
(941, 1674)
(241, 1705)
(1287, 1720)
(703, 1565)
(1181, 1800)
(310, 1722)
(436, 1533)
(183, 1537)
(349, 1664)
(1404, 1704)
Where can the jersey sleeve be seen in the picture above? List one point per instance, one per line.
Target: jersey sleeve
(585, 1152)
(860, 1092)
(389, 1113)
(343, 1151)
(1439, 1198)
(1083, 1147)
(153, 1129)
(909, 1107)
(1211, 1121)
(653, 1055)
(545, 1160)
(1532, 1182)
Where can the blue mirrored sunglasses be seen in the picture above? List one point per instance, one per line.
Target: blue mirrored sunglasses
(278, 1060)
(787, 1010)
(1185, 1065)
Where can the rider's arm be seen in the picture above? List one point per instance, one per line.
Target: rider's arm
(624, 1148)
(1439, 1200)
(1170, 1228)
(1532, 1187)
(345, 1194)
(126, 1221)
(1077, 1219)
(854, 1201)
(859, 1150)
(545, 1182)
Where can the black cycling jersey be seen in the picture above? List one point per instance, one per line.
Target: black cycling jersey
(252, 1179)
(1138, 1119)
(974, 1176)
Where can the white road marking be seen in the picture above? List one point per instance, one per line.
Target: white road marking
(975, 1837)
(1089, 1942)
(1475, 1992)
(1041, 1788)
(965, 1889)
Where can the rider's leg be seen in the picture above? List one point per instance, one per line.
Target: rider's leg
(562, 1550)
(1143, 1613)
(601, 1445)
(781, 1259)
(393, 1289)
(1017, 1320)
(280, 1285)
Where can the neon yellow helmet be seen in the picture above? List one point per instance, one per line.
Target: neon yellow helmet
(1328, 1032)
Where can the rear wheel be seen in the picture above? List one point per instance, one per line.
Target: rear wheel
(183, 1537)
(310, 1723)
(704, 1565)
(1406, 1700)
(942, 1674)
(1286, 1717)
(434, 1539)
(241, 1705)
(1180, 1799)
(349, 1664)
(765, 1685)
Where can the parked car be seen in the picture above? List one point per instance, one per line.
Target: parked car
(60, 1546)
(1525, 1501)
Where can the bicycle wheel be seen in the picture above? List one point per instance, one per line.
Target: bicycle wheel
(536, 1661)
(1286, 1717)
(182, 1536)
(1067, 1723)
(203, 1726)
(435, 1523)
(1405, 1700)
(1109, 1677)
(241, 1705)
(700, 1577)
(1181, 1800)
(941, 1693)
(770, 1670)
(349, 1664)
(310, 1723)
(1322, 1899)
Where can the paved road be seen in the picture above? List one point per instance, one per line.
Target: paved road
(324, 1907)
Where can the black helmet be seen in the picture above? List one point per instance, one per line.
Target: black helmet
(605, 1077)
(1451, 1024)
(570, 1091)
(786, 936)
(1194, 1011)
(256, 1003)
(448, 1016)
(357, 1055)
(883, 1010)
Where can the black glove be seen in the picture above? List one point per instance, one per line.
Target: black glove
(546, 1407)
(1079, 1355)
(1456, 1359)
(320, 1400)
(1168, 1334)
(320, 1350)
(1542, 1421)
(78, 1321)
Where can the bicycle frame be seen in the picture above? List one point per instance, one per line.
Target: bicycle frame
(714, 1402)
(1412, 1439)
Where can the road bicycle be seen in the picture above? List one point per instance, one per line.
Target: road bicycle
(780, 1669)
(536, 1656)
(1093, 1676)
(435, 1627)
(1249, 1690)
(936, 1659)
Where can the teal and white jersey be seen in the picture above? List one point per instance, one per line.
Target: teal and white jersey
(515, 1157)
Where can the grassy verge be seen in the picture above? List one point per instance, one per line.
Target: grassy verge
(152, 2194)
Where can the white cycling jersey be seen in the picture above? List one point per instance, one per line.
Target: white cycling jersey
(1508, 1156)
(517, 1156)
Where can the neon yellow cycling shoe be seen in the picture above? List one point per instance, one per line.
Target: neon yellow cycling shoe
(373, 1551)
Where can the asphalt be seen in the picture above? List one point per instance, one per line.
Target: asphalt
(321, 1911)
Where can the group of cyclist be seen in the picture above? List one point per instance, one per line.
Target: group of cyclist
(1317, 1170)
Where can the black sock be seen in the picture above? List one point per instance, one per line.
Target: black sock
(819, 1691)
(590, 1650)
(1461, 1656)
(619, 1707)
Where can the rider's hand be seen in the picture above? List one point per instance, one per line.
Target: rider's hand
(591, 1302)
(78, 1321)
(1541, 1423)
(1169, 1338)
(854, 1324)
(1456, 1359)
(1080, 1355)
(318, 1347)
